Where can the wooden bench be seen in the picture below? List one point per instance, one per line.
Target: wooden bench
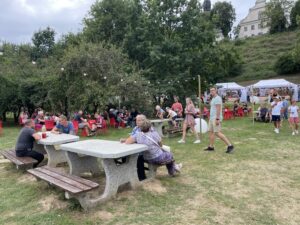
(172, 131)
(21, 162)
(70, 183)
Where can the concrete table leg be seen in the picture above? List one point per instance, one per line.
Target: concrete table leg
(116, 175)
(158, 127)
(54, 156)
(81, 164)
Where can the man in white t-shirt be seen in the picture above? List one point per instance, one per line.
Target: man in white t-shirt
(276, 112)
(215, 120)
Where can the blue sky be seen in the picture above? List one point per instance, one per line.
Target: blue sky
(19, 19)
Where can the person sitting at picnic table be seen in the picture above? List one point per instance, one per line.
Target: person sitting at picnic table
(140, 162)
(64, 126)
(172, 115)
(24, 145)
(154, 155)
(159, 112)
(82, 123)
(177, 107)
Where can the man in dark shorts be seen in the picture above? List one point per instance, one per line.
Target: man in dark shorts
(24, 145)
(277, 107)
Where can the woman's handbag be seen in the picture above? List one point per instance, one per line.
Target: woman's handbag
(165, 148)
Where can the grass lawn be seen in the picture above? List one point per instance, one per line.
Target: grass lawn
(258, 184)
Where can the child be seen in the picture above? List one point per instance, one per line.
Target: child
(294, 117)
(159, 112)
(172, 115)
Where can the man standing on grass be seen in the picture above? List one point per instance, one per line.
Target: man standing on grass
(276, 112)
(215, 122)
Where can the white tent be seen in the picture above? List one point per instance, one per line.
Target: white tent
(277, 83)
(229, 86)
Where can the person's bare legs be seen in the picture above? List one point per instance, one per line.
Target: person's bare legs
(195, 133)
(223, 138)
(211, 139)
(184, 131)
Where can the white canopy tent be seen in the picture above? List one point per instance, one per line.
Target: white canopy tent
(277, 83)
(231, 86)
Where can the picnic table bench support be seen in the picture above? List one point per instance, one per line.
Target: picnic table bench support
(54, 156)
(39, 148)
(116, 175)
(81, 164)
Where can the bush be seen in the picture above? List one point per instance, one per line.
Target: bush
(286, 64)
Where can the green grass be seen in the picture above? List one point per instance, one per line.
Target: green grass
(259, 55)
(258, 184)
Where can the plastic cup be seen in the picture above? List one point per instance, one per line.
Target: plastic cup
(44, 135)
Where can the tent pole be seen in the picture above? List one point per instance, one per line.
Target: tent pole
(200, 111)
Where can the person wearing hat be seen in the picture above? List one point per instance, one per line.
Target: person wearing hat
(277, 108)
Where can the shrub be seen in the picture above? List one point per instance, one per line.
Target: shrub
(286, 64)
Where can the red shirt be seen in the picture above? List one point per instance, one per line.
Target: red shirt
(177, 107)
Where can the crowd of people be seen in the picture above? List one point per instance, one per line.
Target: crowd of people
(277, 109)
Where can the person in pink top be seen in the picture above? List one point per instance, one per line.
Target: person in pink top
(177, 107)
(189, 121)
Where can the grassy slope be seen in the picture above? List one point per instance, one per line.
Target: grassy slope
(260, 53)
(258, 184)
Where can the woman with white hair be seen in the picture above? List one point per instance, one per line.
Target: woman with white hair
(155, 154)
(189, 121)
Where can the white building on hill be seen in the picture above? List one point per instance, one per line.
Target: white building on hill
(251, 25)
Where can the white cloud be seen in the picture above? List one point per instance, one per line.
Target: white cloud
(19, 19)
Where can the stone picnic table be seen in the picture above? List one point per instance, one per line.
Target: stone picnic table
(83, 157)
(55, 156)
(158, 124)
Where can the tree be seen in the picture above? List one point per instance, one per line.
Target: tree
(276, 15)
(43, 41)
(223, 16)
(295, 12)
(108, 21)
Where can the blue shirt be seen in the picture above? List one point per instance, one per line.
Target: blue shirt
(66, 130)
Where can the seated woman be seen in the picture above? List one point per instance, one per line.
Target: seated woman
(235, 108)
(154, 154)
(99, 122)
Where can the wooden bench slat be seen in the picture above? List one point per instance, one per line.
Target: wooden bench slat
(23, 160)
(12, 158)
(86, 182)
(64, 179)
(58, 183)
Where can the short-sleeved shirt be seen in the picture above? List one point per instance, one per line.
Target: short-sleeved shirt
(213, 109)
(276, 110)
(78, 118)
(294, 111)
(177, 107)
(154, 150)
(66, 130)
(25, 140)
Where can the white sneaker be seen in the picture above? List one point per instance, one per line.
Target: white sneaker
(181, 141)
(178, 167)
(296, 131)
(277, 131)
(293, 133)
(197, 142)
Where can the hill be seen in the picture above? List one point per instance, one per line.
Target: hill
(259, 55)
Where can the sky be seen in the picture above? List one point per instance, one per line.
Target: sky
(19, 19)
